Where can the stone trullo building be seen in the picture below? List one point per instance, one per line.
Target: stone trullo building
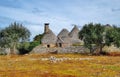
(63, 39)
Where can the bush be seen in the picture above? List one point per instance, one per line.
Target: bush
(26, 47)
(33, 44)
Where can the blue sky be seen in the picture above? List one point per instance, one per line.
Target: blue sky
(59, 13)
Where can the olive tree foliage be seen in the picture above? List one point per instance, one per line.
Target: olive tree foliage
(92, 35)
(12, 35)
(113, 36)
(96, 36)
(38, 38)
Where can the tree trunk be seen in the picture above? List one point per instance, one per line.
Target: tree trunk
(101, 46)
(8, 51)
(99, 49)
(13, 49)
(91, 49)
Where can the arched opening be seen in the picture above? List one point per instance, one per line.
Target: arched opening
(48, 46)
(60, 44)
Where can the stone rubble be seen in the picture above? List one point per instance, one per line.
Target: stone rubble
(54, 59)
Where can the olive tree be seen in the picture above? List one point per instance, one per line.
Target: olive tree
(12, 35)
(96, 36)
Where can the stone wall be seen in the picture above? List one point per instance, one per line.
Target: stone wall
(71, 49)
(4, 51)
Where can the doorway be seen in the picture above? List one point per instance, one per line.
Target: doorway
(48, 46)
(60, 44)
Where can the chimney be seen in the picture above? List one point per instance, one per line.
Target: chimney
(46, 28)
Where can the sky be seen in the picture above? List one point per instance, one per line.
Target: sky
(59, 13)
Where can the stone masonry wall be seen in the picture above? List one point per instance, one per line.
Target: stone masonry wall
(72, 49)
(4, 51)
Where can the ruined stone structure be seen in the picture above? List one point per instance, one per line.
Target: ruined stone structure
(63, 39)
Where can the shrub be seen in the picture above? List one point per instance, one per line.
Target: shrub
(24, 48)
(27, 47)
(33, 44)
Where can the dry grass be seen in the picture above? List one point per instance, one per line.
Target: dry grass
(31, 66)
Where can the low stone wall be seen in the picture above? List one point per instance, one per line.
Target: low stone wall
(71, 49)
(4, 51)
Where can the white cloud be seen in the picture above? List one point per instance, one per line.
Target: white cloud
(35, 30)
(33, 21)
(61, 14)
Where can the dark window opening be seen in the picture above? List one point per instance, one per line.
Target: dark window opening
(60, 44)
(48, 46)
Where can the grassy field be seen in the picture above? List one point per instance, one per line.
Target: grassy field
(77, 66)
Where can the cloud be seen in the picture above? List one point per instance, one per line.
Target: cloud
(115, 10)
(18, 14)
(36, 10)
(59, 13)
(35, 30)
(32, 21)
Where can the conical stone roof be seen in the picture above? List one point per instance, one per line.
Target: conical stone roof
(63, 33)
(74, 35)
(74, 32)
(49, 38)
(63, 37)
